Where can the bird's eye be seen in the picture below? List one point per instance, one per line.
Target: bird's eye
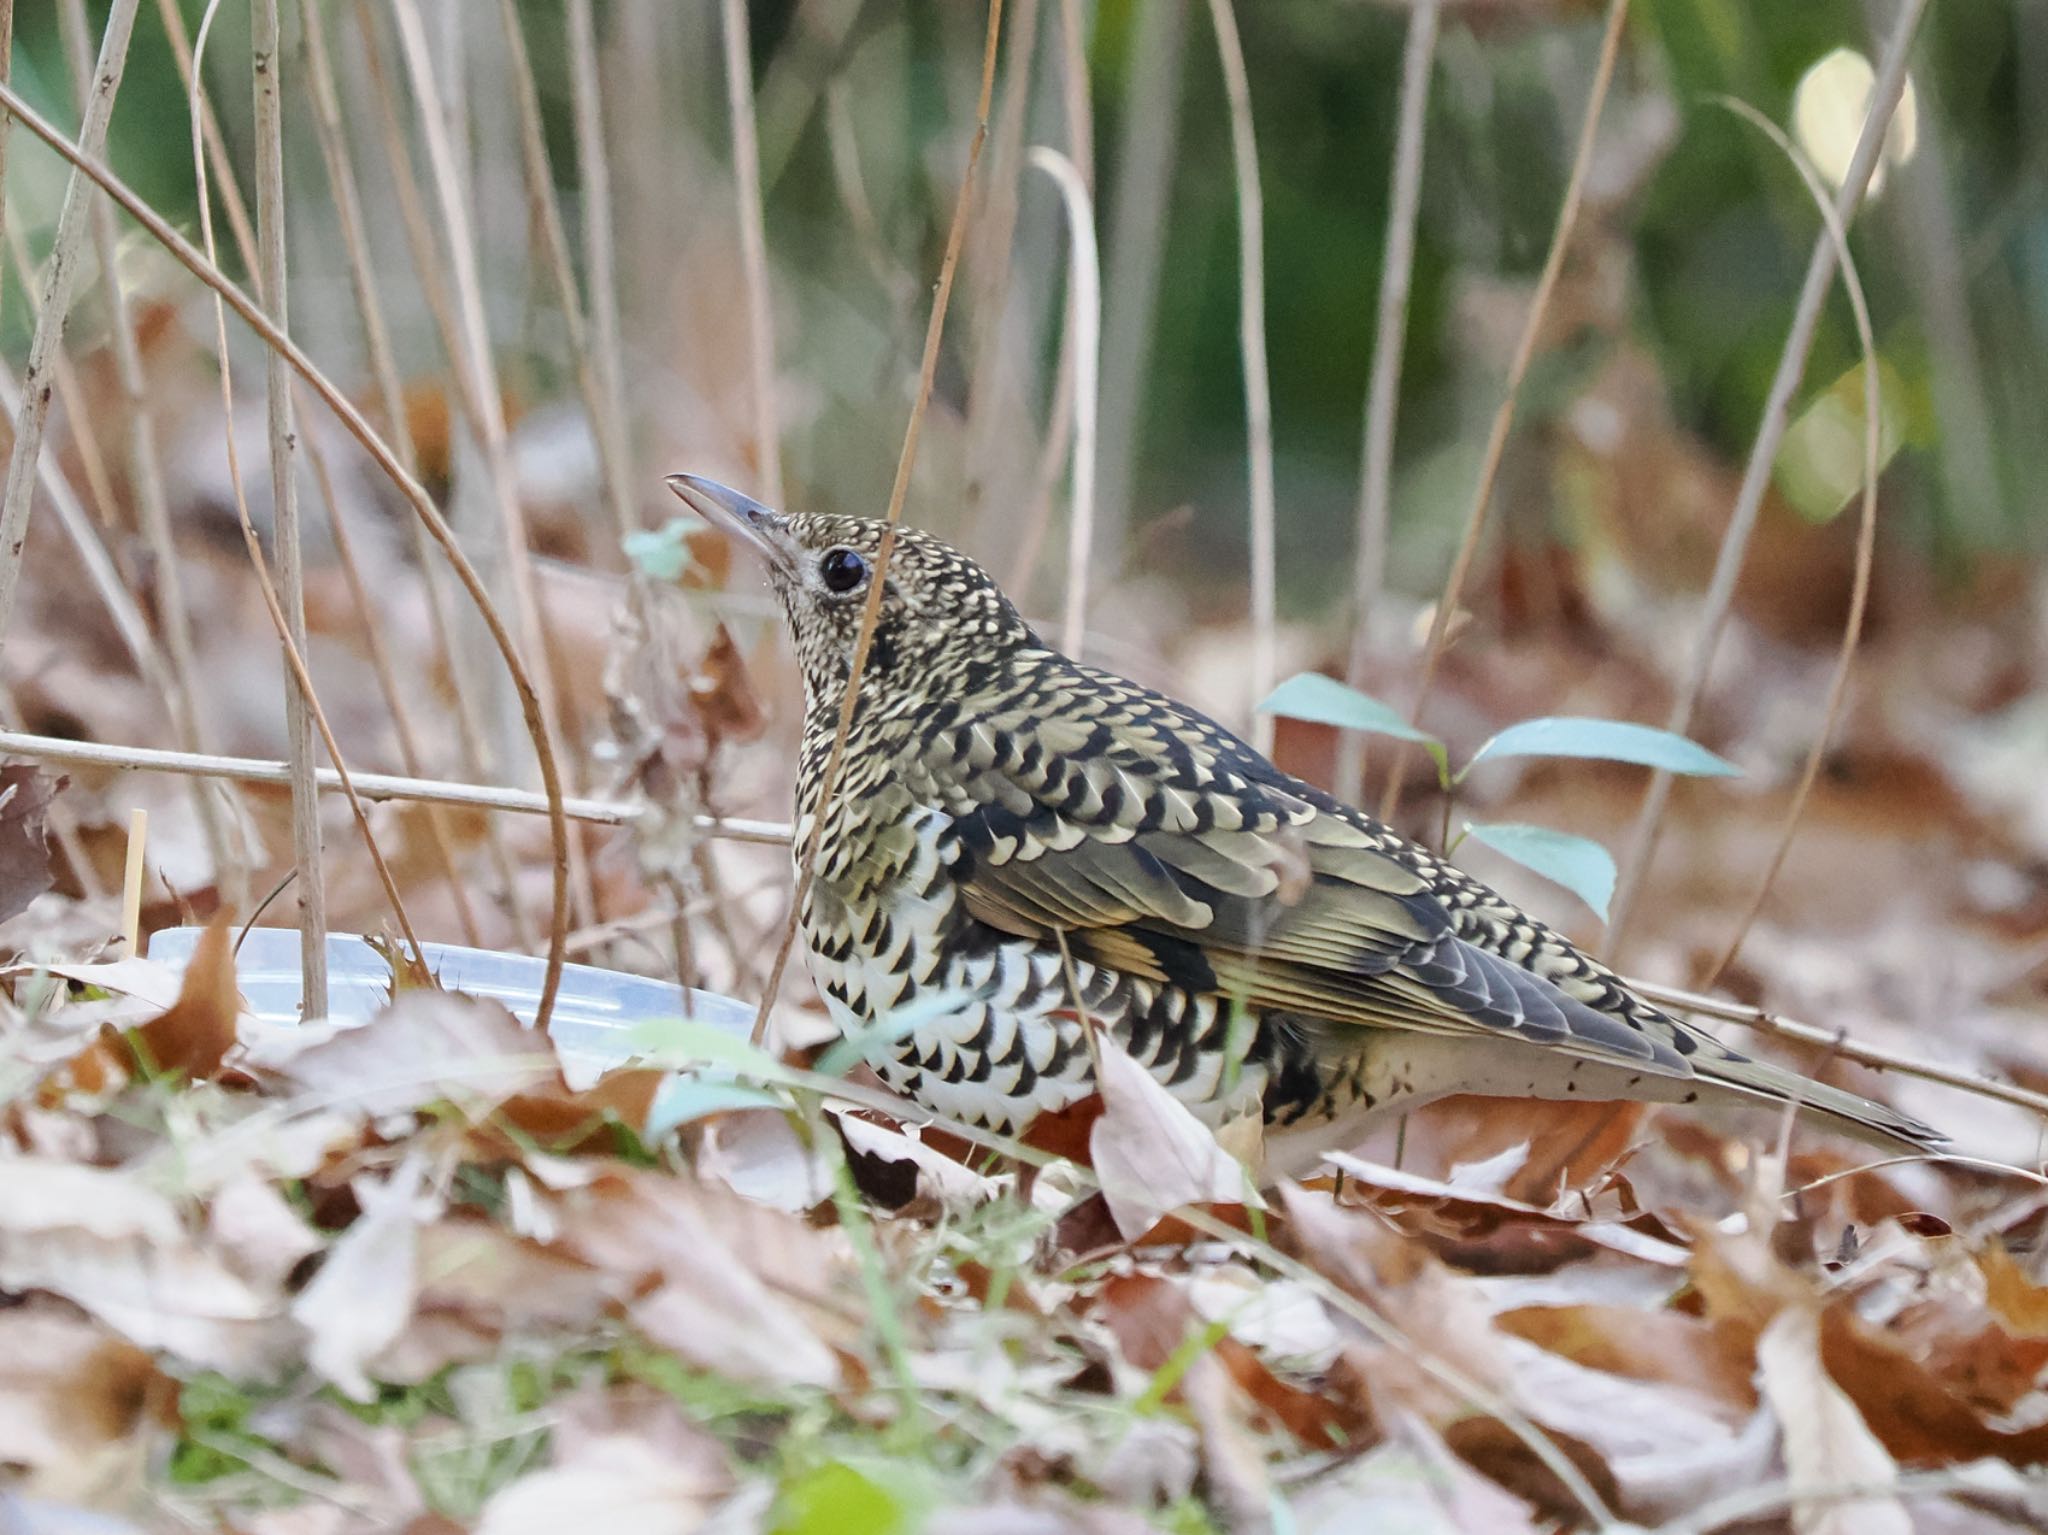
(842, 570)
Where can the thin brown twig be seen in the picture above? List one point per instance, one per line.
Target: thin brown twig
(54, 309)
(1383, 389)
(1820, 272)
(1866, 538)
(345, 410)
(927, 370)
(299, 704)
(746, 175)
(1258, 395)
(1518, 368)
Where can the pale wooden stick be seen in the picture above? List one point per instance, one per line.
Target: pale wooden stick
(18, 498)
(1085, 272)
(1258, 394)
(131, 881)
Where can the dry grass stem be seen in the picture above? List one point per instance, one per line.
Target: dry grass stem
(1258, 398)
(927, 370)
(373, 787)
(1866, 537)
(310, 891)
(1085, 311)
(60, 277)
(146, 484)
(1504, 417)
(225, 185)
(1756, 477)
(345, 410)
(1383, 389)
(746, 175)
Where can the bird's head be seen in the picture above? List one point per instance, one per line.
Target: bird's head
(942, 615)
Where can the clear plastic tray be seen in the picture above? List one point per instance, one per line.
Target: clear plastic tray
(595, 1011)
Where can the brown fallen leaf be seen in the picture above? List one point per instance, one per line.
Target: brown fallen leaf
(364, 1293)
(197, 1031)
(76, 1403)
(25, 795)
(1150, 1152)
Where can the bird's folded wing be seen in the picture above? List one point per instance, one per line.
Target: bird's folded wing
(1275, 902)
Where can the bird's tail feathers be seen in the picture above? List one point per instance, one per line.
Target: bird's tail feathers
(1847, 1112)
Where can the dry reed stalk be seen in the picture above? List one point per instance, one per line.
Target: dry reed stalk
(61, 277)
(927, 370)
(146, 485)
(1085, 277)
(345, 410)
(225, 184)
(371, 311)
(746, 172)
(311, 888)
(476, 372)
(1504, 417)
(1383, 389)
(1258, 395)
(1777, 413)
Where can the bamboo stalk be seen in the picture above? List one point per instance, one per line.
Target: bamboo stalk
(1086, 277)
(18, 498)
(311, 888)
(1383, 390)
(1258, 395)
(1777, 413)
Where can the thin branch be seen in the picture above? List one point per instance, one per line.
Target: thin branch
(942, 296)
(415, 494)
(311, 887)
(373, 787)
(1258, 399)
(18, 499)
(1383, 390)
(1518, 368)
(746, 175)
(1820, 272)
(1866, 535)
(217, 155)
(1085, 273)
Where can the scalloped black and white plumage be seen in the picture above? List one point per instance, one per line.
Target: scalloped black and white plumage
(1019, 841)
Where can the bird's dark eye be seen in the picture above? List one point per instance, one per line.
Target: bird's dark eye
(842, 570)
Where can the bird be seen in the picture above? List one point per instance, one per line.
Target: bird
(1021, 848)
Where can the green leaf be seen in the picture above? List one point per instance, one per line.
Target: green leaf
(1581, 865)
(1607, 740)
(686, 1100)
(843, 1497)
(663, 552)
(1326, 701)
(1820, 462)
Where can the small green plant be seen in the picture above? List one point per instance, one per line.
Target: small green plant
(1581, 865)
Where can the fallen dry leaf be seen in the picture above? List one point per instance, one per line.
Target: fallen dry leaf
(1151, 1154)
(25, 795)
(197, 1031)
(1827, 1443)
(364, 1293)
(75, 1401)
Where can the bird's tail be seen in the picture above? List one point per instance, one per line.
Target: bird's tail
(1844, 1111)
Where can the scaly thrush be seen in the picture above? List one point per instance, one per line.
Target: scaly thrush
(1022, 844)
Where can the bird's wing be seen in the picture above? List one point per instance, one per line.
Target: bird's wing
(1201, 865)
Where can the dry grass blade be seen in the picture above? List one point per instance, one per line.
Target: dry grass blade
(1086, 310)
(1866, 534)
(927, 370)
(1383, 390)
(310, 890)
(746, 175)
(1518, 369)
(380, 451)
(17, 500)
(1777, 413)
(1258, 394)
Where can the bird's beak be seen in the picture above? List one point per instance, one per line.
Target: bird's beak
(740, 518)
